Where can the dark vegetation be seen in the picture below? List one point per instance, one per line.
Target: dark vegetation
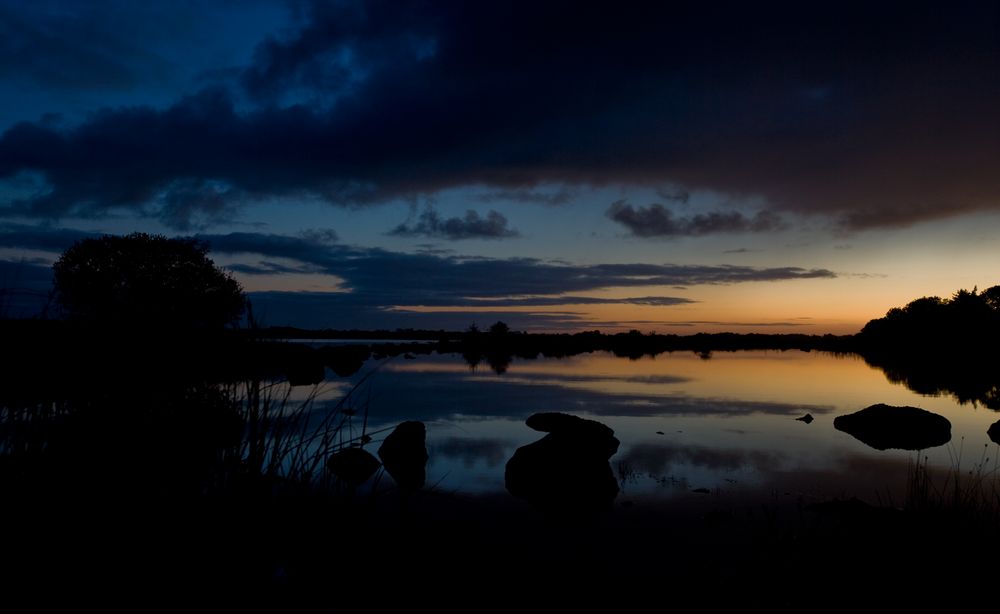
(937, 346)
(151, 450)
(143, 281)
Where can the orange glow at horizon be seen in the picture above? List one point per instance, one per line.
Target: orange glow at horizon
(842, 305)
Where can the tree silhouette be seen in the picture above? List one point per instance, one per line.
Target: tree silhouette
(499, 329)
(991, 296)
(146, 280)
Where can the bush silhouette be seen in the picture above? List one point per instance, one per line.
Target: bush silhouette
(147, 280)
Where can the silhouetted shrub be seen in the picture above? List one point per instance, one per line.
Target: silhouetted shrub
(146, 279)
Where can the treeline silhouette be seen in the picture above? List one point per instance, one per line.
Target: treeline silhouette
(935, 346)
(967, 323)
(498, 346)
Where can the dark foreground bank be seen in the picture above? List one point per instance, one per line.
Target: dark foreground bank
(454, 553)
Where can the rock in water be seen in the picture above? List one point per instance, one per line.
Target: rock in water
(887, 426)
(352, 465)
(567, 471)
(806, 418)
(404, 455)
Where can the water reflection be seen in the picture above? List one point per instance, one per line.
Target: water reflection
(725, 424)
(404, 455)
(971, 378)
(905, 428)
(491, 452)
(661, 459)
(565, 473)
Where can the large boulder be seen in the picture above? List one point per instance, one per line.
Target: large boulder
(352, 465)
(404, 455)
(888, 426)
(566, 471)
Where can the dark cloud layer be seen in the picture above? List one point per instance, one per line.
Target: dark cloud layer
(379, 281)
(375, 282)
(471, 226)
(432, 277)
(78, 47)
(560, 196)
(43, 238)
(658, 221)
(879, 114)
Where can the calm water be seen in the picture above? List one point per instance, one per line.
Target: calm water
(728, 423)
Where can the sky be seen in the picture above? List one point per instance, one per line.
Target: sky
(676, 167)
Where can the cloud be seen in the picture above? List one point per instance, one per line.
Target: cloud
(679, 196)
(550, 301)
(873, 115)
(444, 277)
(374, 283)
(658, 221)
(76, 47)
(433, 276)
(25, 287)
(320, 235)
(43, 238)
(560, 196)
(692, 323)
(378, 282)
(472, 226)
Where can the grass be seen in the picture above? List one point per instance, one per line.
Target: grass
(286, 442)
(971, 494)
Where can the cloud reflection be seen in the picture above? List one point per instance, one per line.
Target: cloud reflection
(659, 458)
(429, 395)
(491, 452)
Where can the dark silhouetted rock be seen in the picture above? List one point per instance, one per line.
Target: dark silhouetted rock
(994, 432)
(702, 491)
(886, 426)
(567, 471)
(583, 430)
(659, 432)
(352, 465)
(404, 455)
(806, 418)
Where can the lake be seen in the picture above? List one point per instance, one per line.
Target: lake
(687, 424)
(715, 480)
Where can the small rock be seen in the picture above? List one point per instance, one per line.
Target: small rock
(702, 491)
(404, 454)
(352, 465)
(806, 418)
(659, 432)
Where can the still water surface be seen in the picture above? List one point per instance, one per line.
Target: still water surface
(726, 424)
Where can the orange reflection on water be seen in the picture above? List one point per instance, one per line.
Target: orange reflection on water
(788, 377)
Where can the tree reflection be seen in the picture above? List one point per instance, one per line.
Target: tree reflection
(940, 346)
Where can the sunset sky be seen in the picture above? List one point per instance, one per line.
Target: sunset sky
(673, 167)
